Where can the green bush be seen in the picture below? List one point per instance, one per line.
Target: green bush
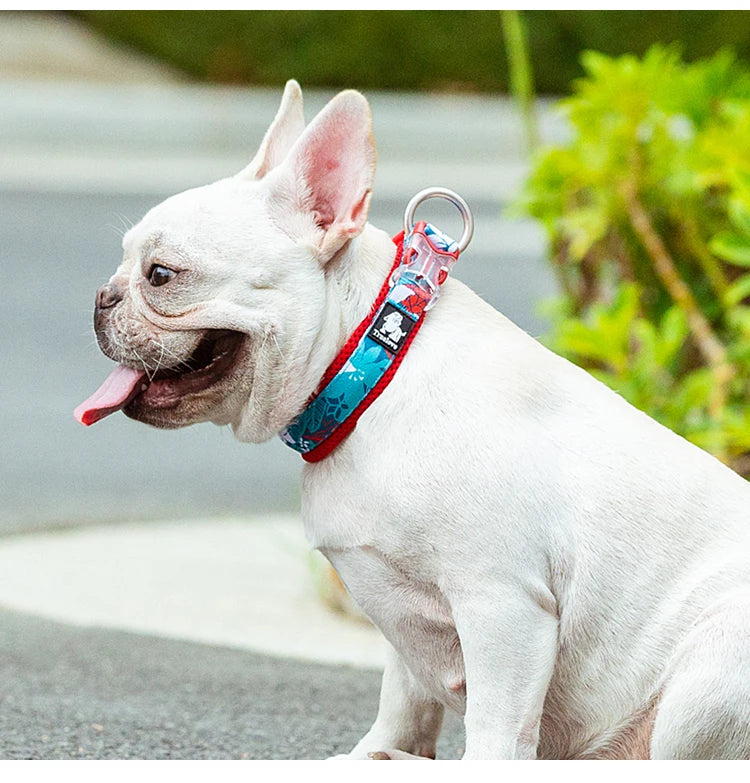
(647, 210)
(403, 50)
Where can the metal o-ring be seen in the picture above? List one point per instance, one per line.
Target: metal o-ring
(457, 202)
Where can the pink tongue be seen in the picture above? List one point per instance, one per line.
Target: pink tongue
(122, 386)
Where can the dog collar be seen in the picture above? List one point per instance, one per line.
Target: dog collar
(373, 353)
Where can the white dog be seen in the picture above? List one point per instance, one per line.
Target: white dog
(542, 557)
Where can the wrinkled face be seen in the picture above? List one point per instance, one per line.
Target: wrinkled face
(215, 310)
(204, 299)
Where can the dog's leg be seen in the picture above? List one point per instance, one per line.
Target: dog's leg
(704, 711)
(408, 721)
(509, 643)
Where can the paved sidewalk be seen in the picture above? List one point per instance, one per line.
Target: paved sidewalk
(55, 47)
(243, 583)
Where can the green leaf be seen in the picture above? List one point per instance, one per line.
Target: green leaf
(578, 338)
(732, 247)
(584, 228)
(739, 214)
(694, 390)
(673, 330)
(739, 289)
(738, 317)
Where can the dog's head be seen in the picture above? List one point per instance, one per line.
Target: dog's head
(222, 289)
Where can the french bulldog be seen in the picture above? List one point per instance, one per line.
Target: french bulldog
(543, 558)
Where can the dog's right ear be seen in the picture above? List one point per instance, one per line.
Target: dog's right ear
(285, 129)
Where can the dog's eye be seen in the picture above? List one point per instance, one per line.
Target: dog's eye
(158, 275)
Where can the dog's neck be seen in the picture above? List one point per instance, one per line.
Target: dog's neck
(353, 279)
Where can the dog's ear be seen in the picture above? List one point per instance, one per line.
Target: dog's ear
(328, 176)
(285, 129)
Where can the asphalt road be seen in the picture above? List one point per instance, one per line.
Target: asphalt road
(81, 693)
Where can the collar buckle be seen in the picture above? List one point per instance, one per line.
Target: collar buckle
(428, 258)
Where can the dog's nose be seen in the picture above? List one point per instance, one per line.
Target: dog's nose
(109, 295)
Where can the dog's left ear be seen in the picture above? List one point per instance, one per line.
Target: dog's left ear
(285, 129)
(328, 176)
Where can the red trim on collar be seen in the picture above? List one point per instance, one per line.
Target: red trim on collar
(356, 336)
(346, 427)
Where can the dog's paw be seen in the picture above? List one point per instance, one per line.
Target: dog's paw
(392, 754)
(395, 755)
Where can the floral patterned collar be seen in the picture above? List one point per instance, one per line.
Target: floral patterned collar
(371, 356)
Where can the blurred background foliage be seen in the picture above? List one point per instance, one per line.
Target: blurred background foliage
(404, 50)
(647, 210)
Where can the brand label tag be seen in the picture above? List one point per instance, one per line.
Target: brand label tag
(391, 328)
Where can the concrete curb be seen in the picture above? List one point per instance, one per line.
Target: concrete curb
(243, 583)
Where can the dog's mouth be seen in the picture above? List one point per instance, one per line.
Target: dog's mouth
(131, 390)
